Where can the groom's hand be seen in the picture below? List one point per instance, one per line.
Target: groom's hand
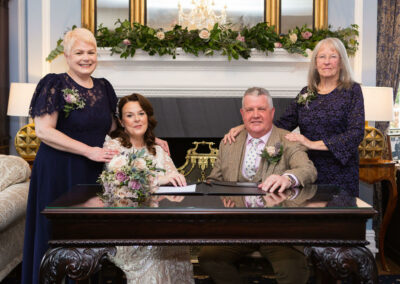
(275, 182)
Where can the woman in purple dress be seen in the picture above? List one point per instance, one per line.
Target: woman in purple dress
(329, 112)
(73, 113)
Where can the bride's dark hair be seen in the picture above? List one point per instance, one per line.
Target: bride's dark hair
(120, 133)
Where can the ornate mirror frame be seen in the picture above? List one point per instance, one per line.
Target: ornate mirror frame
(272, 13)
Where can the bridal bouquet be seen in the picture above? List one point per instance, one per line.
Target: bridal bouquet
(128, 179)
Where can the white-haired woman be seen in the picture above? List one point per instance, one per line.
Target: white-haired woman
(73, 113)
(329, 112)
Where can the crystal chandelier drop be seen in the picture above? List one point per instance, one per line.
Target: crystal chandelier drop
(201, 16)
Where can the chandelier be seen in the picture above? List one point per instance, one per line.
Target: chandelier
(201, 16)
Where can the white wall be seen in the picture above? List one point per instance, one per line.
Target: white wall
(17, 58)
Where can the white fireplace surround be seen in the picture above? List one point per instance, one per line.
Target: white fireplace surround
(281, 73)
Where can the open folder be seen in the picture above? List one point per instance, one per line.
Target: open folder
(213, 188)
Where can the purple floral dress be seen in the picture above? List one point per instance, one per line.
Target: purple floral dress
(55, 172)
(337, 119)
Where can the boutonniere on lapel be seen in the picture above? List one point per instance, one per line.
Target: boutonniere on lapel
(73, 101)
(306, 98)
(272, 154)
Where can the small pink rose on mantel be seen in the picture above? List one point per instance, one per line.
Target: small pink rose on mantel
(160, 35)
(204, 34)
(240, 38)
(126, 42)
(277, 45)
(306, 34)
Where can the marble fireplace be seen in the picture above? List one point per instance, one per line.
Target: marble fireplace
(198, 98)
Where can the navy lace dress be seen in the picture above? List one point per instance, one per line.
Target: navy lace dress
(55, 172)
(337, 119)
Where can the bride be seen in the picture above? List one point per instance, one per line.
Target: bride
(148, 264)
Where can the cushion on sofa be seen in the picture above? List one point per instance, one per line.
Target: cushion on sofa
(13, 204)
(13, 170)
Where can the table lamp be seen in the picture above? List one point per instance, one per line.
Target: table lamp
(378, 105)
(26, 142)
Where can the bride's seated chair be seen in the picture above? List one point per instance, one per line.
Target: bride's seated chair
(198, 165)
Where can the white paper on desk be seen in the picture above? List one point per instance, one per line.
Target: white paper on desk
(177, 189)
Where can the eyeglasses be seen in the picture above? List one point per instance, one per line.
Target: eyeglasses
(330, 57)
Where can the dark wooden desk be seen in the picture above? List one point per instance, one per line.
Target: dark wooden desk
(377, 171)
(329, 223)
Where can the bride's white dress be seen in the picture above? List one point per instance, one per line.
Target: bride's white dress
(153, 264)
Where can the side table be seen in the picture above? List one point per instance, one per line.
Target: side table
(373, 171)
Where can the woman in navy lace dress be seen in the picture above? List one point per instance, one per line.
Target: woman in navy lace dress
(73, 113)
(330, 115)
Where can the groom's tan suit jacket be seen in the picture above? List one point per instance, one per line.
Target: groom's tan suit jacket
(294, 160)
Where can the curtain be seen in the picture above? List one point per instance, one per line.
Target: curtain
(4, 78)
(388, 48)
(387, 74)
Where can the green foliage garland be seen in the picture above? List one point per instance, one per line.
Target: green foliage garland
(126, 38)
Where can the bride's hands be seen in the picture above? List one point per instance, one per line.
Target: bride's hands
(230, 136)
(176, 179)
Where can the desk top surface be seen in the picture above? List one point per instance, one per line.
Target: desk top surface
(229, 198)
(322, 215)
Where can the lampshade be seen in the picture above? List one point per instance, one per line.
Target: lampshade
(20, 98)
(378, 103)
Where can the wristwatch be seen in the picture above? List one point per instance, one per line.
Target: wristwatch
(292, 180)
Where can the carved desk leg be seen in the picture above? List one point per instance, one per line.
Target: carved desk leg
(76, 263)
(342, 262)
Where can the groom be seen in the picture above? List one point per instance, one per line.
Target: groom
(285, 164)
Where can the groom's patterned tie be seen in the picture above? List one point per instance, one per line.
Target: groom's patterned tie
(250, 159)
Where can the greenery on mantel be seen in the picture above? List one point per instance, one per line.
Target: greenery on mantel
(126, 38)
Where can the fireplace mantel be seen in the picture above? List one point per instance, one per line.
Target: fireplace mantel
(283, 74)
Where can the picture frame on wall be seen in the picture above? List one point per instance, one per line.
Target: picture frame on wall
(394, 135)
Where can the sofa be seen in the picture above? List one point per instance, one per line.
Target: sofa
(14, 187)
